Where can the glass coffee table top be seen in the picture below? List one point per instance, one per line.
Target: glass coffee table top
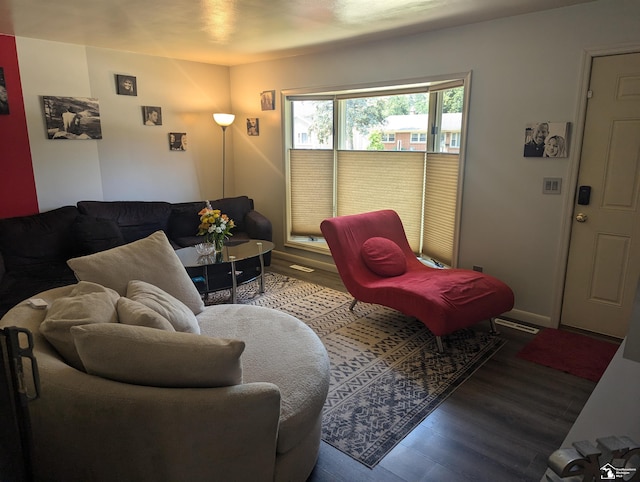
(230, 252)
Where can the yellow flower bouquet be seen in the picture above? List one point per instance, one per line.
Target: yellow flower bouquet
(214, 226)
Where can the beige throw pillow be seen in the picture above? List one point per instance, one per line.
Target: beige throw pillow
(145, 356)
(131, 312)
(87, 303)
(178, 314)
(151, 259)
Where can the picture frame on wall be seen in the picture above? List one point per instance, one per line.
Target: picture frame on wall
(546, 139)
(178, 141)
(126, 85)
(268, 100)
(151, 115)
(4, 96)
(76, 118)
(253, 126)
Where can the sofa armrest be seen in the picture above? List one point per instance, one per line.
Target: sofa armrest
(258, 226)
(89, 428)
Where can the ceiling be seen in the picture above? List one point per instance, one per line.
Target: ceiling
(231, 32)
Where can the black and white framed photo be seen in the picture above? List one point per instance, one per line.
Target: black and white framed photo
(546, 139)
(151, 115)
(268, 100)
(126, 85)
(4, 97)
(178, 141)
(253, 126)
(72, 117)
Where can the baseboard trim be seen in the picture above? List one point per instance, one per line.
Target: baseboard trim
(529, 318)
(301, 260)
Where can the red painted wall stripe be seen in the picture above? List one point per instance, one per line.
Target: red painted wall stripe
(18, 195)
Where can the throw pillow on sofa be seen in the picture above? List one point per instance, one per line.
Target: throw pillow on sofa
(87, 303)
(151, 259)
(145, 356)
(170, 308)
(132, 312)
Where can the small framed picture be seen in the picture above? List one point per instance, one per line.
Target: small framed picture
(253, 126)
(126, 85)
(4, 98)
(178, 141)
(546, 139)
(268, 100)
(151, 116)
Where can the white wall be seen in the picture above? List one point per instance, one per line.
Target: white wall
(132, 161)
(524, 69)
(64, 171)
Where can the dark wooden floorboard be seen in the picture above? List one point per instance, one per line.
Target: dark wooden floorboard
(500, 425)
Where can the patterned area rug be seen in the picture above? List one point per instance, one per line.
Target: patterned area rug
(386, 372)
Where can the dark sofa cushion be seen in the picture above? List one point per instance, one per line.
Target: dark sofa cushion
(136, 219)
(95, 234)
(21, 284)
(184, 221)
(234, 207)
(38, 239)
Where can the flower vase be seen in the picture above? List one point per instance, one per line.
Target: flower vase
(219, 244)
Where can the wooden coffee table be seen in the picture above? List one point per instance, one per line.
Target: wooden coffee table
(237, 264)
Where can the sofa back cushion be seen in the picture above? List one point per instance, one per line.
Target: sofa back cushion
(184, 220)
(236, 208)
(146, 356)
(136, 219)
(92, 234)
(26, 241)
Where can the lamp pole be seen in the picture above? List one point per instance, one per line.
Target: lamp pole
(224, 121)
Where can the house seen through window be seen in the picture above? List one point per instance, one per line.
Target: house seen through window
(358, 150)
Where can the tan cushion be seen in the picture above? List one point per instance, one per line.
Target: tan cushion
(145, 356)
(131, 312)
(176, 312)
(151, 259)
(87, 303)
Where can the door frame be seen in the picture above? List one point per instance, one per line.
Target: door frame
(574, 170)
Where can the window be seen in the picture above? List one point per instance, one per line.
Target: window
(351, 151)
(455, 139)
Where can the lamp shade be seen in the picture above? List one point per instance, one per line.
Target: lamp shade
(224, 120)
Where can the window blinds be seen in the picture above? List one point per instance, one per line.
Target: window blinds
(440, 208)
(372, 180)
(311, 183)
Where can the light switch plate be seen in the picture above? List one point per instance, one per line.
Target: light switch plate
(552, 185)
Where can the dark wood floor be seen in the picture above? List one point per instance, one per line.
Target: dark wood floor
(500, 425)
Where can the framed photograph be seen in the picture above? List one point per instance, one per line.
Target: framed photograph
(72, 117)
(268, 100)
(253, 126)
(4, 98)
(126, 85)
(546, 139)
(151, 116)
(178, 141)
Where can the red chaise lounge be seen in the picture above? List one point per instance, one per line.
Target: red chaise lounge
(376, 265)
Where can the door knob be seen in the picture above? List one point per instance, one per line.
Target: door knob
(581, 217)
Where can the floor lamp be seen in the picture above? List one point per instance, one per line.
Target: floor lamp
(224, 121)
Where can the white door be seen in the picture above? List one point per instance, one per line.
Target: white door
(604, 254)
